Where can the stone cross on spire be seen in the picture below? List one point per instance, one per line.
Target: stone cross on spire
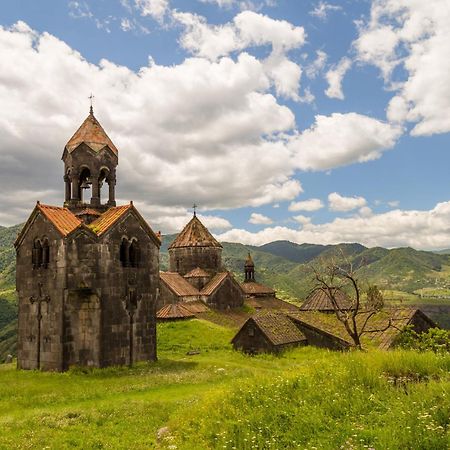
(194, 206)
(91, 109)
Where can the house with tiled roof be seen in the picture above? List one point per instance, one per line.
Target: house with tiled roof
(196, 272)
(87, 271)
(327, 301)
(268, 332)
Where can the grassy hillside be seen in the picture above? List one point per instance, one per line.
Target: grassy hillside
(307, 397)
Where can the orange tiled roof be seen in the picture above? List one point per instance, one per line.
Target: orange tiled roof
(108, 218)
(214, 283)
(174, 311)
(178, 285)
(62, 218)
(92, 134)
(252, 287)
(197, 272)
(195, 234)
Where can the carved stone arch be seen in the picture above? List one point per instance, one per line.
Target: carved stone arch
(37, 253)
(45, 252)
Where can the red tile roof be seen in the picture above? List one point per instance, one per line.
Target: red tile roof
(178, 285)
(214, 283)
(196, 306)
(195, 234)
(174, 311)
(197, 273)
(92, 134)
(108, 218)
(62, 218)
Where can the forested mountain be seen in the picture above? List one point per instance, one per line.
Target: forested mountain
(284, 265)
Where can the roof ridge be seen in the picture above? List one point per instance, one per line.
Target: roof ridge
(195, 234)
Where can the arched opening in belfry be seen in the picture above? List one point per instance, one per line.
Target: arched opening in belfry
(103, 187)
(85, 185)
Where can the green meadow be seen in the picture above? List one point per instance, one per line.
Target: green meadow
(216, 398)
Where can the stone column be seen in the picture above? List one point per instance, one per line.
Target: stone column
(68, 189)
(75, 187)
(112, 190)
(95, 199)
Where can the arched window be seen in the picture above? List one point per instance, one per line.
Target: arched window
(134, 253)
(37, 254)
(124, 252)
(45, 253)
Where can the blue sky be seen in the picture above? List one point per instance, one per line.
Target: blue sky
(312, 121)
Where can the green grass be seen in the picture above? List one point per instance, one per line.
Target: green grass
(224, 399)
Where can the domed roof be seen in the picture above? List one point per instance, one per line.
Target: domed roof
(92, 134)
(195, 234)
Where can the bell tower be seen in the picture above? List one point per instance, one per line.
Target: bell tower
(90, 160)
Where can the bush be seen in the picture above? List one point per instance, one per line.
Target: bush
(435, 339)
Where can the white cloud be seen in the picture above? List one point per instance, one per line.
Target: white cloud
(260, 219)
(189, 122)
(335, 77)
(426, 230)
(304, 220)
(322, 9)
(338, 202)
(79, 10)
(415, 36)
(153, 8)
(313, 69)
(394, 203)
(313, 204)
(342, 139)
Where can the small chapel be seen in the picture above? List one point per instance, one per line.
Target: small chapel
(88, 271)
(196, 272)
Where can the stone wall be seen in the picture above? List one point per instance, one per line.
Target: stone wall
(184, 259)
(228, 295)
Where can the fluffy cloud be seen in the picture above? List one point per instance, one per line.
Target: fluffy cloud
(313, 69)
(186, 125)
(153, 8)
(427, 230)
(342, 139)
(338, 202)
(335, 77)
(303, 220)
(313, 204)
(260, 219)
(246, 30)
(415, 36)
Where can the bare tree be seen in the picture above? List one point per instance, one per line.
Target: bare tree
(354, 314)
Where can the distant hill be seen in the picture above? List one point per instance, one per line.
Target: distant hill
(283, 265)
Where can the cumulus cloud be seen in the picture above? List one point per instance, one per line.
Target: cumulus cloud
(303, 220)
(342, 139)
(415, 36)
(313, 69)
(335, 76)
(338, 202)
(248, 29)
(428, 230)
(313, 204)
(189, 122)
(260, 219)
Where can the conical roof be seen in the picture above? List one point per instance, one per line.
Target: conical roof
(319, 300)
(249, 261)
(195, 234)
(92, 134)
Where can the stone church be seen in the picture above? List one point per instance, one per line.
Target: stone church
(196, 272)
(87, 272)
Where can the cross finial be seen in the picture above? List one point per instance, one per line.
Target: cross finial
(195, 209)
(91, 109)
